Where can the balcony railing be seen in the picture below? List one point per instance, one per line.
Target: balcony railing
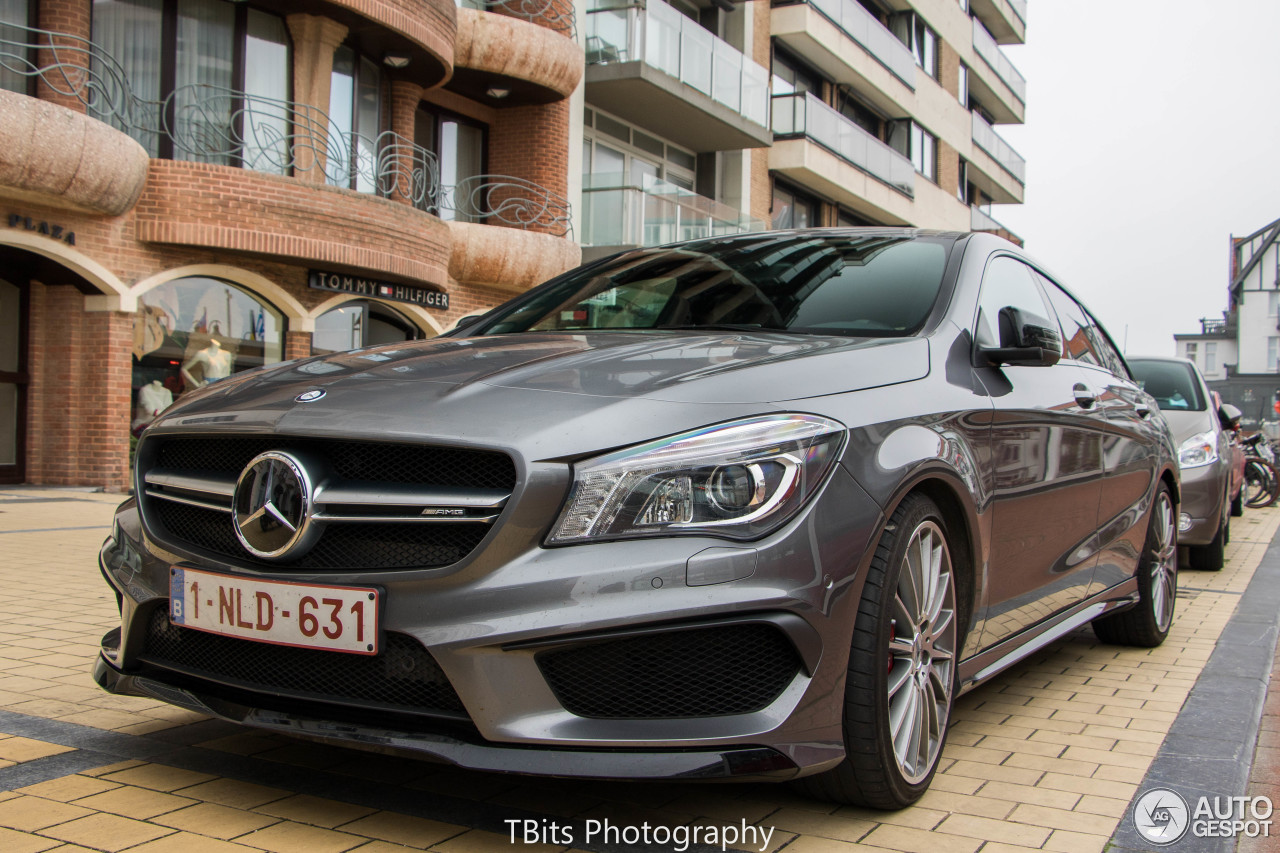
(985, 137)
(211, 124)
(986, 47)
(616, 212)
(805, 115)
(661, 37)
(553, 14)
(980, 220)
(1019, 9)
(504, 200)
(864, 28)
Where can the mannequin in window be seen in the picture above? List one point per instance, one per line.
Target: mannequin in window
(214, 363)
(153, 398)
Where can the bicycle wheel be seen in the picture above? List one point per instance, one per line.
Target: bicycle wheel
(1260, 483)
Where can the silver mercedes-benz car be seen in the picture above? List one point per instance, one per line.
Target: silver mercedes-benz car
(754, 507)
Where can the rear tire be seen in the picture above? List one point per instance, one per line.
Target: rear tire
(902, 667)
(1148, 623)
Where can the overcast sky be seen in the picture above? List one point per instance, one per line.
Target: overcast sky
(1152, 134)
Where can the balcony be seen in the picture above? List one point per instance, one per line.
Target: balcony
(527, 47)
(984, 45)
(805, 115)
(985, 137)
(979, 220)
(617, 213)
(659, 69)
(1006, 20)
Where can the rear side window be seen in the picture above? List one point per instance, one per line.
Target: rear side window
(1172, 383)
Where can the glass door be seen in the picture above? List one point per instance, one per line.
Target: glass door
(13, 383)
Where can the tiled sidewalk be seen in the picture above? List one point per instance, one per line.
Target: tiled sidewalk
(1046, 757)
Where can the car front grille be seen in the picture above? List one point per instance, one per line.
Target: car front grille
(403, 677)
(188, 483)
(348, 546)
(714, 671)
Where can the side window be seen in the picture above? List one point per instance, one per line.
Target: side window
(1007, 282)
(1077, 342)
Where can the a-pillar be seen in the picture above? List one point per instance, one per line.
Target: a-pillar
(315, 38)
(66, 60)
(405, 97)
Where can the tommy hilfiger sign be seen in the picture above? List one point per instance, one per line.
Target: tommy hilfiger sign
(341, 283)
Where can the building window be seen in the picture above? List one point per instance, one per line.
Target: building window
(962, 86)
(461, 146)
(916, 144)
(1192, 351)
(964, 5)
(192, 331)
(1210, 358)
(793, 77)
(1273, 303)
(912, 31)
(792, 208)
(20, 14)
(1273, 353)
(355, 112)
(962, 185)
(360, 324)
(226, 67)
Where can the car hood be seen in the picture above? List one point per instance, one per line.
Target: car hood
(1183, 424)
(538, 390)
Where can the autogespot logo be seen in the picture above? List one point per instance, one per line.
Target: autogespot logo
(1161, 816)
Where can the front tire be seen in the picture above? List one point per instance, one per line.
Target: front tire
(1148, 623)
(902, 666)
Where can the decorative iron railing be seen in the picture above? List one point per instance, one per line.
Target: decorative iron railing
(553, 14)
(507, 200)
(71, 67)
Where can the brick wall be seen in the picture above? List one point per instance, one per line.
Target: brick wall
(948, 68)
(80, 392)
(532, 142)
(948, 167)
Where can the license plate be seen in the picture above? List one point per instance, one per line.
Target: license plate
(311, 616)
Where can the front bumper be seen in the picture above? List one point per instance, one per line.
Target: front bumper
(485, 620)
(1203, 492)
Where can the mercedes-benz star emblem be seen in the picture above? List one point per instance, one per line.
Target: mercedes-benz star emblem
(272, 506)
(310, 396)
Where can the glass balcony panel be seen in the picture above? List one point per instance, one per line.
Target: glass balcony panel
(985, 137)
(863, 27)
(986, 47)
(695, 56)
(1019, 9)
(728, 80)
(656, 212)
(609, 35)
(662, 38)
(796, 114)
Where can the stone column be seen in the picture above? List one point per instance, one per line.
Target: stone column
(297, 345)
(67, 58)
(314, 41)
(405, 97)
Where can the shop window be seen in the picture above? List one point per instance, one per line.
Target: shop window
(225, 68)
(193, 331)
(792, 208)
(360, 324)
(461, 148)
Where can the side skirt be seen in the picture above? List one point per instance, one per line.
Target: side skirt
(985, 664)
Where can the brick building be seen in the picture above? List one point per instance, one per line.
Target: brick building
(191, 188)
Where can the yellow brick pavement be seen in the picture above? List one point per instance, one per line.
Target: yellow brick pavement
(1046, 757)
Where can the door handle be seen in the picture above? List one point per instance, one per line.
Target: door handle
(1084, 395)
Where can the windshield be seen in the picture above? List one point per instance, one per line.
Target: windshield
(1172, 383)
(838, 284)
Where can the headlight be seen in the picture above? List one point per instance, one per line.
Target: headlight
(1198, 450)
(739, 480)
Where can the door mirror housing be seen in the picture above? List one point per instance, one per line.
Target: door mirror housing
(1025, 340)
(1229, 416)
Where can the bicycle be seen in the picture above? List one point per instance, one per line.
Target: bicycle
(1261, 477)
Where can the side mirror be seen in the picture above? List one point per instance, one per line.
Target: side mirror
(1229, 416)
(1025, 340)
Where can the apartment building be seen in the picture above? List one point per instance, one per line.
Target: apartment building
(1239, 354)
(709, 116)
(192, 188)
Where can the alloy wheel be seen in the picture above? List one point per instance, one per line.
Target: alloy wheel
(922, 648)
(1164, 566)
